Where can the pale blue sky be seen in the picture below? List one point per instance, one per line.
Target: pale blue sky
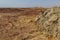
(29, 3)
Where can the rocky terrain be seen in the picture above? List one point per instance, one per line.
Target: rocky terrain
(30, 23)
(49, 24)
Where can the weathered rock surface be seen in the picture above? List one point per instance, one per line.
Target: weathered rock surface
(18, 24)
(31, 25)
(49, 23)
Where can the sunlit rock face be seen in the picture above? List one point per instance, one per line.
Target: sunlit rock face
(49, 24)
(31, 25)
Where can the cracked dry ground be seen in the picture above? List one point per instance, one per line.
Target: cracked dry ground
(18, 27)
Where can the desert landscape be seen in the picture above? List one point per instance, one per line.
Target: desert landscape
(30, 23)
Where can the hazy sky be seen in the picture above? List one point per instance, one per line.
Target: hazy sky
(29, 3)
